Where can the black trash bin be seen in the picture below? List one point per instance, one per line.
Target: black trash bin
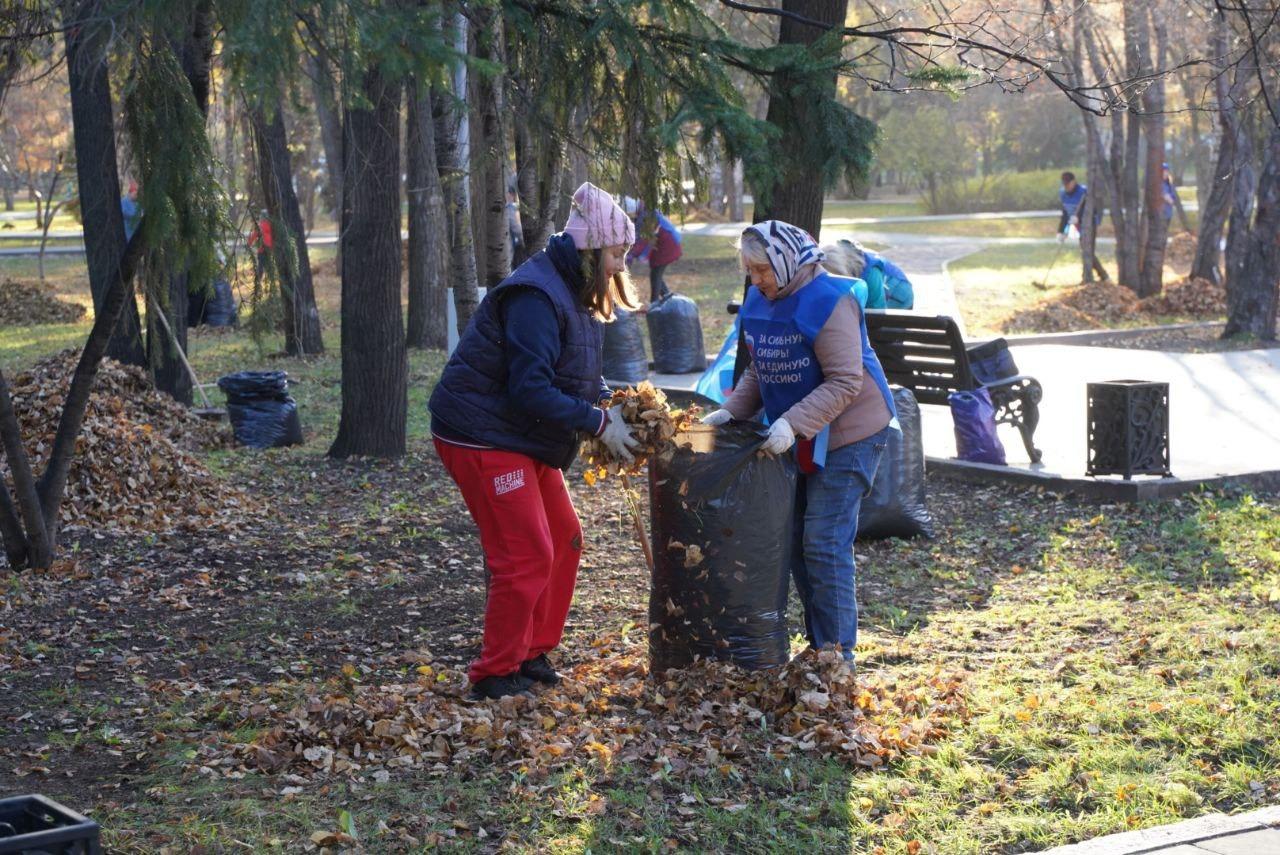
(721, 528)
(35, 825)
(261, 412)
(675, 336)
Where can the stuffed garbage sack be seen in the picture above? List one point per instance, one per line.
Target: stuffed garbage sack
(624, 357)
(262, 413)
(974, 418)
(675, 336)
(721, 530)
(897, 505)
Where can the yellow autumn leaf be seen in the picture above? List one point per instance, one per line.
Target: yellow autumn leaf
(1032, 702)
(866, 803)
(987, 808)
(1022, 715)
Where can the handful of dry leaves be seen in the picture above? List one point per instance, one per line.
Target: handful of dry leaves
(653, 422)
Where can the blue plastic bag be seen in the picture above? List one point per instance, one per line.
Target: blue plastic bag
(974, 418)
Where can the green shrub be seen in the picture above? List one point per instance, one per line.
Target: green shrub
(1007, 191)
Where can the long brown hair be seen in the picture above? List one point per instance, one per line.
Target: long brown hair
(600, 295)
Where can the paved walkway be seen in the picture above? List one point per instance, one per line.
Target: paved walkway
(1224, 408)
(1255, 833)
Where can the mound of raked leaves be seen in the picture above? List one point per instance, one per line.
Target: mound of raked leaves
(133, 467)
(608, 709)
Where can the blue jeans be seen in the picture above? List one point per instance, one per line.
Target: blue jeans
(826, 523)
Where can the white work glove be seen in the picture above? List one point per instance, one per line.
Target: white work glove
(717, 417)
(617, 436)
(781, 437)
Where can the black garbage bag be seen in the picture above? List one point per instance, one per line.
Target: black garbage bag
(261, 412)
(721, 521)
(897, 506)
(624, 357)
(675, 336)
(215, 310)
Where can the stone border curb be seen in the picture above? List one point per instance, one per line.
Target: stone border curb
(1165, 836)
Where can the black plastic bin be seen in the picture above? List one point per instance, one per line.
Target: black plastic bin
(35, 825)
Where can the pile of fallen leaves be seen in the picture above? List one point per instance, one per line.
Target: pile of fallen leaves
(1048, 317)
(133, 466)
(654, 422)
(713, 716)
(23, 303)
(1106, 302)
(1194, 297)
(1180, 251)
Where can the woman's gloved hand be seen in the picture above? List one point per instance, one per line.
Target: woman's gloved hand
(781, 437)
(717, 417)
(617, 436)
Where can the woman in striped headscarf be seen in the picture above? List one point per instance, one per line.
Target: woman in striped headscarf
(823, 392)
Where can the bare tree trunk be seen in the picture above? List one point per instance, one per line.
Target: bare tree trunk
(38, 545)
(167, 341)
(1129, 233)
(91, 115)
(796, 196)
(330, 131)
(428, 228)
(1253, 282)
(717, 166)
(453, 135)
(733, 189)
(541, 175)
(493, 156)
(1215, 206)
(1153, 126)
(302, 334)
(374, 364)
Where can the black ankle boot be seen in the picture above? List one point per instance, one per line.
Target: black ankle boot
(492, 688)
(538, 668)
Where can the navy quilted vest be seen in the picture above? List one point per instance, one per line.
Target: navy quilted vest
(472, 397)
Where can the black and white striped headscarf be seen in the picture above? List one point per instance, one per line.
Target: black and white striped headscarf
(790, 249)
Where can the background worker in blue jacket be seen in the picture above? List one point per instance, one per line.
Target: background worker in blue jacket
(1072, 196)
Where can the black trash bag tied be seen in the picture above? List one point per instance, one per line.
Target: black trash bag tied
(624, 357)
(675, 336)
(262, 413)
(897, 505)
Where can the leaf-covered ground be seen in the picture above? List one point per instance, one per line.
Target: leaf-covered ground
(1045, 670)
(1119, 669)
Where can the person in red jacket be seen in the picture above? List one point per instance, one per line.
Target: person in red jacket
(262, 242)
(657, 243)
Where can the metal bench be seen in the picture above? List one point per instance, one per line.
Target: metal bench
(927, 354)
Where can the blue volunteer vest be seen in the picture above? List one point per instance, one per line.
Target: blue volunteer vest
(780, 335)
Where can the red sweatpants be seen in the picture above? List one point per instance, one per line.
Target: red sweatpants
(532, 541)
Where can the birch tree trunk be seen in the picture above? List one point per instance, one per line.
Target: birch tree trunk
(491, 159)
(453, 134)
(428, 228)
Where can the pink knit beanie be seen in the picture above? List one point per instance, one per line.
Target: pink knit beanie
(596, 221)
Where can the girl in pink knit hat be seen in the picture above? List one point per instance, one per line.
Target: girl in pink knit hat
(516, 397)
